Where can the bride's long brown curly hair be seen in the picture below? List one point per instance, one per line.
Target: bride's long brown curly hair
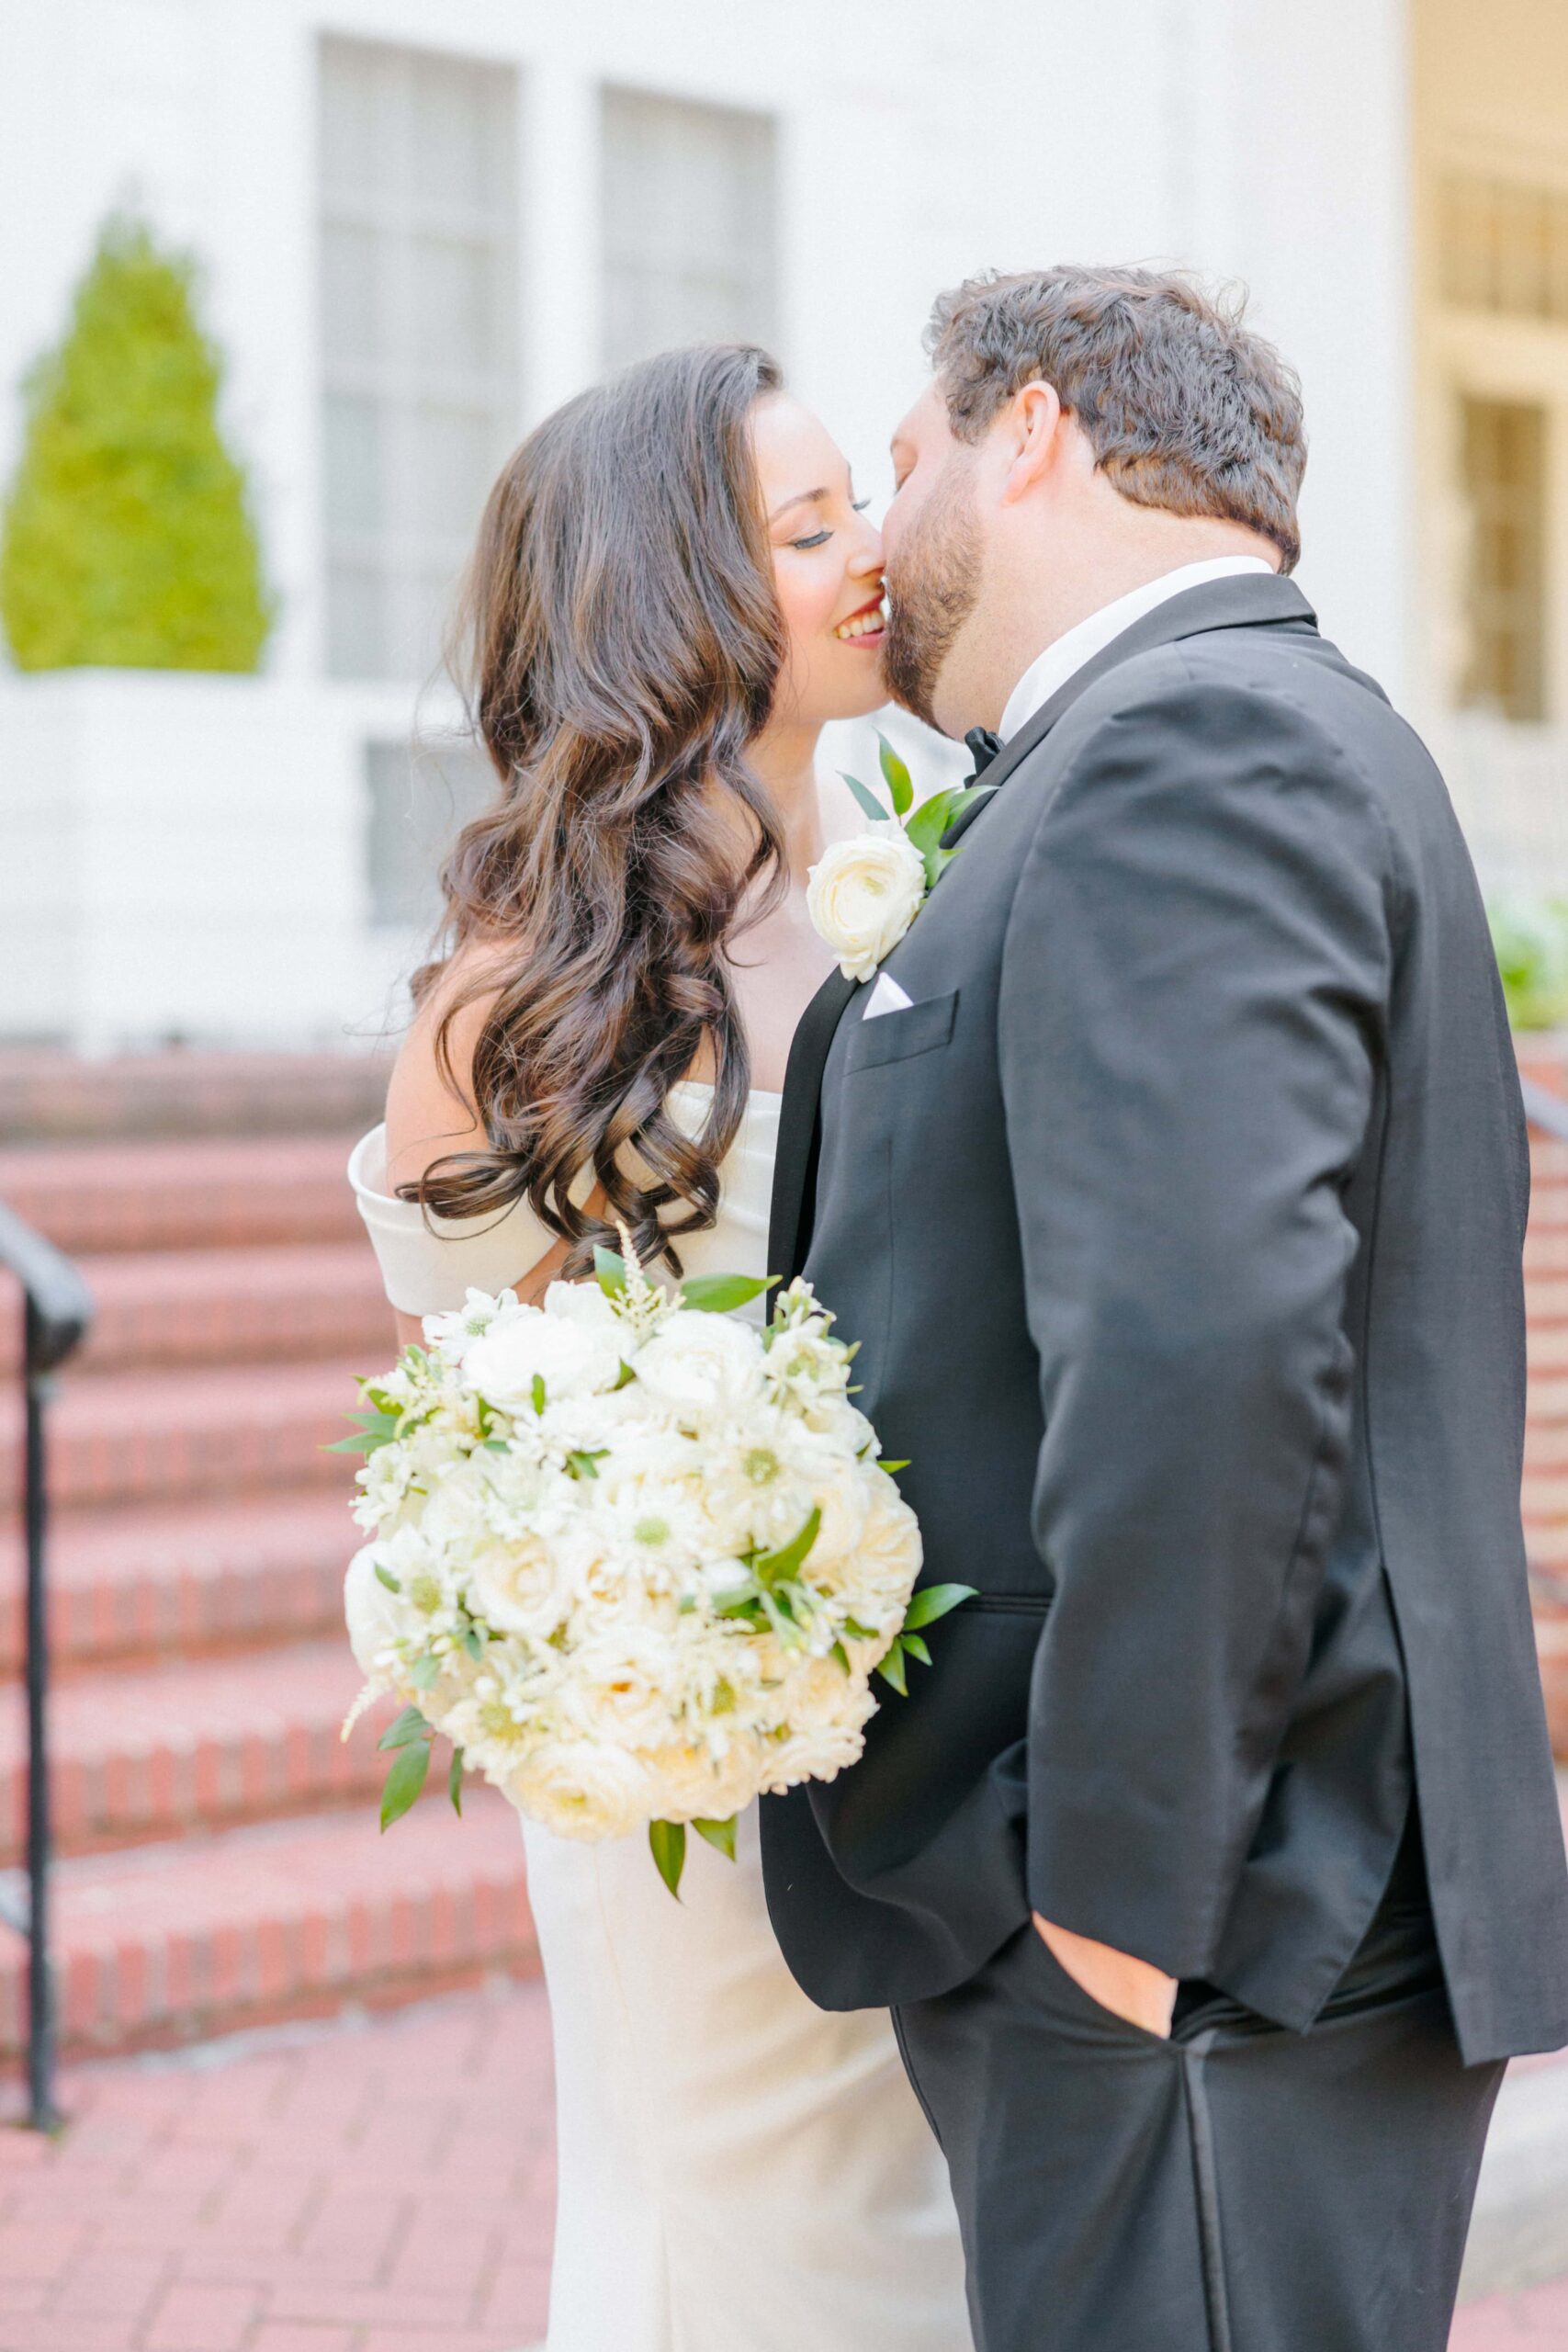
(620, 641)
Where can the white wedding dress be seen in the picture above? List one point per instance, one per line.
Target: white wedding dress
(738, 2171)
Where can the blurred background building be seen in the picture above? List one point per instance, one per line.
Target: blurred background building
(418, 228)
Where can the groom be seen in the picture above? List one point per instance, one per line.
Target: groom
(1173, 1178)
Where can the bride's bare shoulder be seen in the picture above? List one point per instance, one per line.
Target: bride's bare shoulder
(430, 1109)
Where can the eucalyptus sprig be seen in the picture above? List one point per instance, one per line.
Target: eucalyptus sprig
(924, 828)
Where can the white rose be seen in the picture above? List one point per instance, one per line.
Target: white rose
(864, 893)
(579, 1788)
(702, 1363)
(524, 1586)
(888, 1551)
(571, 1356)
(376, 1618)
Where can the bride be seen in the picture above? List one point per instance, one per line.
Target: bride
(673, 589)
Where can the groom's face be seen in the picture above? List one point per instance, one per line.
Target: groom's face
(931, 540)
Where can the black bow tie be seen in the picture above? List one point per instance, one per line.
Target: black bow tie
(983, 746)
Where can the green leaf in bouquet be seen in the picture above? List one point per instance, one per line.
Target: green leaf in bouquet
(841, 1654)
(375, 1429)
(915, 1647)
(404, 1781)
(610, 1270)
(720, 1834)
(584, 1465)
(410, 1725)
(775, 1567)
(896, 775)
(722, 1293)
(892, 1668)
(785, 1630)
(423, 1670)
(893, 1468)
(869, 806)
(626, 1376)
(474, 1643)
(454, 1782)
(666, 1842)
(857, 1632)
(385, 1576)
(934, 1601)
(736, 1599)
(537, 1392)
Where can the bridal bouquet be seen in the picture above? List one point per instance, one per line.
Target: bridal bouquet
(635, 1557)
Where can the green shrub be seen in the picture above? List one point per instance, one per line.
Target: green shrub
(126, 539)
(1530, 938)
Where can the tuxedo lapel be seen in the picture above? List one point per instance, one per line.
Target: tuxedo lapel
(794, 1167)
(1256, 599)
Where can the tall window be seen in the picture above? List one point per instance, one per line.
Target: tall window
(689, 213)
(419, 322)
(1505, 477)
(1504, 247)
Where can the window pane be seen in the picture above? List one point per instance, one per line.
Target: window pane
(1504, 479)
(1504, 247)
(419, 799)
(356, 631)
(689, 209)
(353, 460)
(352, 295)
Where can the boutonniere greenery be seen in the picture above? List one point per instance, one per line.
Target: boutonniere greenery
(867, 891)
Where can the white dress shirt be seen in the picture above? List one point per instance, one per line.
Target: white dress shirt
(1080, 644)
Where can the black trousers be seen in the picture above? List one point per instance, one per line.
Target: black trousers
(1236, 2189)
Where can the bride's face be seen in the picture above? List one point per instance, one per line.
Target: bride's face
(826, 569)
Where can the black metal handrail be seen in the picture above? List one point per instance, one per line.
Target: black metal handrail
(57, 1314)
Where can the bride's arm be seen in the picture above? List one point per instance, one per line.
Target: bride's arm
(426, 1118)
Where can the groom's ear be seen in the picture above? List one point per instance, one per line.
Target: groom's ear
(1030, 432)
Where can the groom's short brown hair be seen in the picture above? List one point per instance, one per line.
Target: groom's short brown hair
(1184, 407)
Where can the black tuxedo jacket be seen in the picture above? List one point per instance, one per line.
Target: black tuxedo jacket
(1179, 1218)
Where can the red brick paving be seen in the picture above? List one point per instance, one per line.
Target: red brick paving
(1533, 2321)
(379, 2187)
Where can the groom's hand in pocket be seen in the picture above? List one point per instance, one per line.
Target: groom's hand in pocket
(1129, 1988)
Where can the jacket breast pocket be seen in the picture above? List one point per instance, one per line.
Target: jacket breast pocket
(895, 1036)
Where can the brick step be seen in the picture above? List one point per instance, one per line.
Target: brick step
(207, 1193)
(189, 1307)
(153, 1580)
(166, 1944)
(45, 1093)
(118, 1437)
(192, 1745)
(1546, 1254)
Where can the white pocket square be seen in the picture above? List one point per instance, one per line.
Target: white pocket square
(886, 996)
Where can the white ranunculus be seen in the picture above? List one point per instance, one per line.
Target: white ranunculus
(864, 893)
(450, 1336)
(701, 1363)
(571, 1356)
(584, 1788)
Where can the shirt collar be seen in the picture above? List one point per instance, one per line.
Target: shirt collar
(1080, 643)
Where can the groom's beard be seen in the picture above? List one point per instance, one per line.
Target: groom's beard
(931, 589)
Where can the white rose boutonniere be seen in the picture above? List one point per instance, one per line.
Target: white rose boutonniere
(864, 894)
(867, 891)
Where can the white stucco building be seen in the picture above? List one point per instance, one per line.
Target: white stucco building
(421, 226)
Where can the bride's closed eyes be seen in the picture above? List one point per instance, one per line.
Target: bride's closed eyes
(820, 538)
